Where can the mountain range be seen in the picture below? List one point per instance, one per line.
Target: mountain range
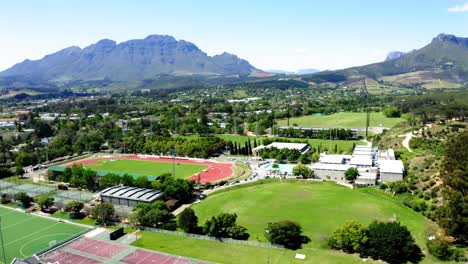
(164, 61)
(137, 59)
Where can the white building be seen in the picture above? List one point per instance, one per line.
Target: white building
(391, 170)
(302, 147)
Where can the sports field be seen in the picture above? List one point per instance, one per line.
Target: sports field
(343, 120)
(320, 207)
(143, 167)
(198, 170)
(25, 234)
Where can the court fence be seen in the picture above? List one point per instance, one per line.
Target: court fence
(211, 238)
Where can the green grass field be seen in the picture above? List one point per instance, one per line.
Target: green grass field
(319, 207)
(25, 234)
(342, 120)
(234, 254)
(143, 167)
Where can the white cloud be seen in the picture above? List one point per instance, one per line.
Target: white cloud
(457, 8)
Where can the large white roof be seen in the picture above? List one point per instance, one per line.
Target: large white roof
(283, 145)
(132, 193)
(334, 159)
(362, 160)
(391, 166)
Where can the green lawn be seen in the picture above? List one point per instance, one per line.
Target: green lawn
(234, 254)
(25, 234)
(143, 167)
(342, 120)
(319, 207)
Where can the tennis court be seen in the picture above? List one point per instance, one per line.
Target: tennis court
(26, 234)
(70, 195)
(31, 189)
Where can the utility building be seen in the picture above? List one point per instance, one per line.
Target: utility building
(129, 196)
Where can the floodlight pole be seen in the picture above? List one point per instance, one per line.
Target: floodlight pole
(1, 238)
(173, 148)
(269, 246)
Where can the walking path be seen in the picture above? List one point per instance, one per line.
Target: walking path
(406, 141)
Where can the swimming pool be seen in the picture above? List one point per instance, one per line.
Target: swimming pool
(282, 167)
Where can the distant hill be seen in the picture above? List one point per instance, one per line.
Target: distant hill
(299, 72)
(307, 71)
(127, 61)
(445, 57)
(394, 55)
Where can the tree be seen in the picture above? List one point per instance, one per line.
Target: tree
(179, 189)
(453, 214)
(304, 159)
(74, 208)
(188, 221)
(350, 237)
(153, 215)
(109, 180)
(141, 181)
(440, 249)
(127, 180)
(351, 174)
(224, 225)
(23, 198)
(302, 170)
(19, 170)
(45, 202)
(392, 112)
(286, 233)
(103, 213)
(392, 243)
(315, 157)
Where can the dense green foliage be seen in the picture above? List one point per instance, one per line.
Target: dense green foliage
(351, 174)
(224, 225)
(286, 233)
(453, 214)
(155, 215)
(188, 221)
(23, 198)
(103, 213)
(74, 208)
(391, 242)
(45, 202)
(351, 237)
(302, 171)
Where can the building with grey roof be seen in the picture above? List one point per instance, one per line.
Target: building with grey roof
(391, 170)
(129, 196)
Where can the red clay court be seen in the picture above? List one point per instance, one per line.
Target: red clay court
(216, 171)
(92, 251)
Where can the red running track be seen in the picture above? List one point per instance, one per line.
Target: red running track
(216, 171)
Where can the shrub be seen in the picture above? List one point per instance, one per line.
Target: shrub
(439, 249)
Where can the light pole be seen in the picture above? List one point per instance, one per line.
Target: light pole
(1, 238)
(268, 259)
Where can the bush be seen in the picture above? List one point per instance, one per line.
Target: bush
(439, 249)
(383, 186)
(23, 198)
(350, 237)
(62, 186)
(286, 233)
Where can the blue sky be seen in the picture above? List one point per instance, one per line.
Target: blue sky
(286, 35)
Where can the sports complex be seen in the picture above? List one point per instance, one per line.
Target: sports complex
(199, 170)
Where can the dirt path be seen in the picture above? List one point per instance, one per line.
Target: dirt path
(406, 141)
